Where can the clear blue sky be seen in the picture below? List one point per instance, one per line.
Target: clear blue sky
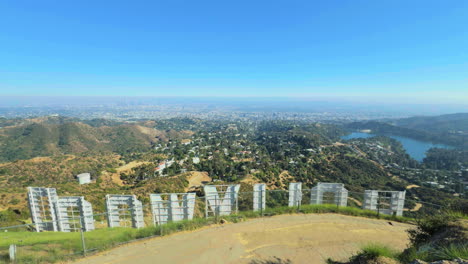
(235, 48)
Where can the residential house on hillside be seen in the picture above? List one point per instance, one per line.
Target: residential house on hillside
(162, 165)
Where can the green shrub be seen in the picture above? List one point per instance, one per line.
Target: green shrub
(14, 201)
(453, 251)
(412, 253)
(425, 239)
(111, 170)
(433, 253)
(373, 251)
(427, 227)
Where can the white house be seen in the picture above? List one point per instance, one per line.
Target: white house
(84, 178)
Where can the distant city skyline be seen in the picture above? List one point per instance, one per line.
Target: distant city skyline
(228, 104)
(359, 51)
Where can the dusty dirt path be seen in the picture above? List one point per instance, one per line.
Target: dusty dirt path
(416, 208)
(301, 238)
(115, 177)
(197, 179)
(359, 203)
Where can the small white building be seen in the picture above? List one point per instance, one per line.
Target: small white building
(84, 178)
(165, 164)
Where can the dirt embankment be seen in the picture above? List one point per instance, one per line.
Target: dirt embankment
(300, 238)
(115, 177)
(196, 179)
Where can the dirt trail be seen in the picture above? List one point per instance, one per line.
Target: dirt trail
(250, 179)
(197, 179)
(359, 203)
(415, 209)
(301, 238)
(115, 177)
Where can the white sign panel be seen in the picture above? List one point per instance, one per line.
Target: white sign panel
(259, 196)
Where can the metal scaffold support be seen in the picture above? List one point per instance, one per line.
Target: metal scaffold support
(329, 193)
(259, 197)
(295, 194)
(124, 210)
(385, 202)
(74, 214)
(42, 204)
(171, 207)
(217, 205)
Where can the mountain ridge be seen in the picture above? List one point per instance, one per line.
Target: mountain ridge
(47, 137)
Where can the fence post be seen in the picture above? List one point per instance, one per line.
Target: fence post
(160, 224)
(237, 203)
(261, 202)
(12, 253)
(206, 206)
(378, 206)
(298, 198)
(83, 244)
(337, 201)
(216, 209)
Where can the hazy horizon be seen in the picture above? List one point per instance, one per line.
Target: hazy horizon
(343, 105)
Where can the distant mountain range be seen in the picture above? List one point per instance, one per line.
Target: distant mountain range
(453, 123)
(449, 129)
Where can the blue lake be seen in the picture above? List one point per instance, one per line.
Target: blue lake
(415, 148)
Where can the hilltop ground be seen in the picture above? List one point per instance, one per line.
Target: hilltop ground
(300, 238)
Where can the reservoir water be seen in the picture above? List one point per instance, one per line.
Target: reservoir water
(415, 148)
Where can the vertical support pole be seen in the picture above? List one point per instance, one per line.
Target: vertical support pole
(206, 205)
(296, 194)
(216, 211)
(337, 200)
(237, 202)
(83, 244)
(161, 228)
(261, 202)
(378, 206)
(32, 208)
(108, 214)
(298, 206)
(159, 217)
(52, 204)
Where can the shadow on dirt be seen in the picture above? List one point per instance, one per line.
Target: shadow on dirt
(275, 260)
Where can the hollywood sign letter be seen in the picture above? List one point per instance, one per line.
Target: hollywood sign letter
(295, 194)
(259, 196)
(50, 212)
(122, 207)
(171, 207)
(218, 205)
(385, 202)
(42, 203)
(340, 194)
(74, 213)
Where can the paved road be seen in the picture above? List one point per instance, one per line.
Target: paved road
(301, 238)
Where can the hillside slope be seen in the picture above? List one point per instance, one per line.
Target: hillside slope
(436, 124)
(46, 137)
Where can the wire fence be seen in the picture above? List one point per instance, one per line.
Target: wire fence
(21, 244)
